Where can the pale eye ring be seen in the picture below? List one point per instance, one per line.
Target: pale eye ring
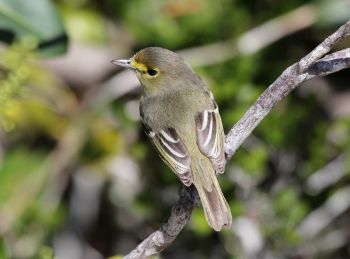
(152, 72)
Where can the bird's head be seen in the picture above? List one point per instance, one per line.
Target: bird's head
(156, 68)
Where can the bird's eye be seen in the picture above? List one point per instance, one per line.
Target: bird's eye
(152, 72)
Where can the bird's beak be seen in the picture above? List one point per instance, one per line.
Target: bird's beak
(123, 63)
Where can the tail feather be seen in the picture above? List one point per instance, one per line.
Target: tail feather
(216, 209)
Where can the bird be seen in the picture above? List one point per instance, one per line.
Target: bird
(182, 120)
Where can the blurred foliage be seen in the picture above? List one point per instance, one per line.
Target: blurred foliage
(85, 24)
(176, 23)
(78, 177)
(15, 72)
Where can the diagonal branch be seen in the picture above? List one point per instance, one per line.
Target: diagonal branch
(312, 65)
(166, 234)
(308, 67)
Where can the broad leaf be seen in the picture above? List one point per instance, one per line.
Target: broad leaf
(38, 19)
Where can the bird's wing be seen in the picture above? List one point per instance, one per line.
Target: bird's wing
(210, 137)
(173, 152)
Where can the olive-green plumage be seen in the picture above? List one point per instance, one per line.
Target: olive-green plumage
(182, 120)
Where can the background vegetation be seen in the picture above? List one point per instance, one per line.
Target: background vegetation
(78, 177)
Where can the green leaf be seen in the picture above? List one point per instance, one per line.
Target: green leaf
(36, 19)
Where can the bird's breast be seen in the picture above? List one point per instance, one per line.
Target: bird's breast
(176, 110)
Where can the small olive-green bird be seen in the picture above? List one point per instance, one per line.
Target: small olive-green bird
(181, 118)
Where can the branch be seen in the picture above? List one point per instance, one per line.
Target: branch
(166, 234)
(310, 66)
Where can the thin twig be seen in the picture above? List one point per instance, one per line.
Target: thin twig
(308, 67)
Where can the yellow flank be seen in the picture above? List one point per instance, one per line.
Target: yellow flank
(138, 66)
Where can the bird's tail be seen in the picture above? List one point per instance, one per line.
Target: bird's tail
(217, 212)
